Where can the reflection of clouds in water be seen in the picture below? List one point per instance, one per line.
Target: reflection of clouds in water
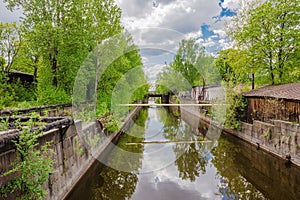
(165, 180)
(166, 183)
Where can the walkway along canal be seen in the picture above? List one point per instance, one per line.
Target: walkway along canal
(187, 167)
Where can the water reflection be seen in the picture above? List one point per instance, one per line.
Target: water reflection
(191, 157)
(228, 169)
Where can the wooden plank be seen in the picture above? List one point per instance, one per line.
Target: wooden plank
(166, 104)
(170, 142)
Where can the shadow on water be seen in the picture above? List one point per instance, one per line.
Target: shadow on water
(229, 169)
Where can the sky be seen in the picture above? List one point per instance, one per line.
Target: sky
(157, 26)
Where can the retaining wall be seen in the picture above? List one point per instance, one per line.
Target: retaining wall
(75, 149)
(280, 138)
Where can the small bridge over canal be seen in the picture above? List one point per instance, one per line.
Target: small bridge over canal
(164, 97)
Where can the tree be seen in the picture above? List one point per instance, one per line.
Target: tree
(67, 31)
(233, 66)
(10, 42)
(28, 59)
(269, 32)
(170, 80)
(185, 59)
(191, 68)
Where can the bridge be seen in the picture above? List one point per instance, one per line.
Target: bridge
(164, 97)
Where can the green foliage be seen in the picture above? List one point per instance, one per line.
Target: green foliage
(235, 109)
(234, 66)
(23, 92)
(59, 39)
(112, 124)
(32, 167)
(47, 93)
(4, 124)
(171, 80)
(10, 42)
(191, 67)
(268, 32)
(6, 91)
(123, 81)
(54, 48)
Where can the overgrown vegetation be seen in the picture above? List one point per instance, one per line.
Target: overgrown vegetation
(53, 49)
(235, 108)
(32, 166)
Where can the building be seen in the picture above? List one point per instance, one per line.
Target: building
(211, 93)
(281, 102)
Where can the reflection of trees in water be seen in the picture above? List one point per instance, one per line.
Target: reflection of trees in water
(118, 184)
(232, 185)
(191, 160)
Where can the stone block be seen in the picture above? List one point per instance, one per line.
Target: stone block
(70, 132)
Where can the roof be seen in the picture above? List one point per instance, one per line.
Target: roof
(19, 72)
(286, 91)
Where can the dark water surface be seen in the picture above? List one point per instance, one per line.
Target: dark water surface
(225, 169)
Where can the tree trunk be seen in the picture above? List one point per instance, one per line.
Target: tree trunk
(253, 84)
(35, 70)
(280, 53)
(98, 65)
(53, 61)
(271, 69)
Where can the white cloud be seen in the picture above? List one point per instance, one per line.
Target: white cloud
(220, 33)
(209, 43)
(7, 16)
(231, 4)
(163, 26)
(152, 70)
(194, 34)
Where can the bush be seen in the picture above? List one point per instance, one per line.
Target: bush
(235, 109)
(6, 91)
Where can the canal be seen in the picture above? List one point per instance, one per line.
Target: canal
(172, 161)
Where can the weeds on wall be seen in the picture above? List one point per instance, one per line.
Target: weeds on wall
(32, 167)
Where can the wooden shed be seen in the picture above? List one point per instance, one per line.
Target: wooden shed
(274, 102)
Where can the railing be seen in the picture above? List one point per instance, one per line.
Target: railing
(34, 109)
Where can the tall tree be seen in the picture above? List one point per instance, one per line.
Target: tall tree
(191, 67)
(185, 60)
(10, 42)
(269, 32)
(67, 31)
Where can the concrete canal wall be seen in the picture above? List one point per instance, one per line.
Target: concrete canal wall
(75, 148)
(271, 175)
(280, 138)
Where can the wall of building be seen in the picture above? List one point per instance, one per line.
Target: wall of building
(266, 110)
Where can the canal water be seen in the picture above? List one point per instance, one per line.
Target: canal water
(173, 161)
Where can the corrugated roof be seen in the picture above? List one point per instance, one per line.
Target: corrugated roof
(286, 91)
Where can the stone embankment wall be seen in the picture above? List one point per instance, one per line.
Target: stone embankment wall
(272, 175)
(75, 148)
(280, 138)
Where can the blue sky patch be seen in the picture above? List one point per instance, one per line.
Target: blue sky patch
(206, 33)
